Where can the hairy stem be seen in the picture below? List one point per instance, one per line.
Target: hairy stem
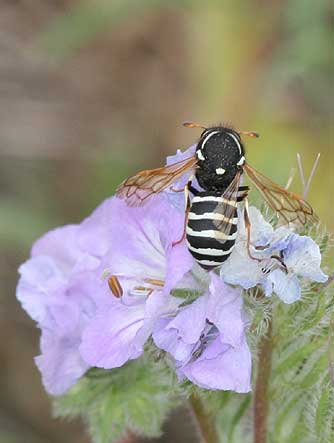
(261, 401)
(205, 424)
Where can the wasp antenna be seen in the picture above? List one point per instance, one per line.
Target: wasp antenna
(250, 134)
(193, 125)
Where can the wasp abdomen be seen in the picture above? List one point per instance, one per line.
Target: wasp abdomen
(209, 245)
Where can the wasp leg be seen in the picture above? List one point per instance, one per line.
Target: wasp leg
(188, 185)
(176, 190)
(187, 188)
(248, 230)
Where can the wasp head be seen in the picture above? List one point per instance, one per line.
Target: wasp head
(220, 155)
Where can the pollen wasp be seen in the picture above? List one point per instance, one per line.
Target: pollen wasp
(211, 215)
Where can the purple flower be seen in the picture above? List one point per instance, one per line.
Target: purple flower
(62, 290)
(207, 339)
(285, 258)
(120, 329)
(148, 266)
(59, 290)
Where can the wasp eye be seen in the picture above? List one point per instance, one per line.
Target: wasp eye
(241, 161)
(200, 155)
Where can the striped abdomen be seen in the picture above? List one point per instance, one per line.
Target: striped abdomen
(209, 246)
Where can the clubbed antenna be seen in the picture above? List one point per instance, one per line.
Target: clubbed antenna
(193, 125)
(307, 184)
(250, 134)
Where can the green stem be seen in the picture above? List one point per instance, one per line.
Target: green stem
(261, 400)
(205, 424)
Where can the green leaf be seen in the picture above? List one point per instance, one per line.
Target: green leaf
(322, 412)
(295, 358)
(280, 417)
(136, 398)
(238, 416)
(316, 372)
(314, 317)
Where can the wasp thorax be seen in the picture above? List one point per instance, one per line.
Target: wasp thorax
(220, 154)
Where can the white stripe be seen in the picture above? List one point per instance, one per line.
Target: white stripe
(208, 137)
(211, 198)
(209, 263)
(209, 251)
(212, 216)
(211, 234)
(237, 141)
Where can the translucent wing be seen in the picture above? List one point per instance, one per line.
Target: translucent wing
(226, 211)
(289, 206)
(137, 189)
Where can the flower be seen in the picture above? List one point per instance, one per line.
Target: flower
(59, 290)
(62, 290)
(85, 324)
(119, 331)
(207, 339)
(148, 265)
(285, 258)
(143, 254)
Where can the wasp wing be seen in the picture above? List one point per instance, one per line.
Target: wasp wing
(226, 211)
(139, 188)
(289, 206)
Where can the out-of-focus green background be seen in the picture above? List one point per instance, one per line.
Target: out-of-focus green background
(93, 91)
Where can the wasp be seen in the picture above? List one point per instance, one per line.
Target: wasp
(211, 209)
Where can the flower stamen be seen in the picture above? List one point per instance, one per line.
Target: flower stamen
(155, 282)
(139, 290)
(115, 286)
(275, 262)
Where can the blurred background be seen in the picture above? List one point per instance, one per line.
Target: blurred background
(93, 91)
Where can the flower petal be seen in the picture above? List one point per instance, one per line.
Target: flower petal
(60, 362)
(286, 286)
(261, 230)
(94, 234)
(169, 341)
(222, 367)
(225, 311)
(62, 245)
(190, 321)
(39, 277)
(240, 270)
(303, 257)
(141, 242)
(110, 339)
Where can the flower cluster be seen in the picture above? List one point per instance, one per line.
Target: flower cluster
(196, 317)
(285, 257)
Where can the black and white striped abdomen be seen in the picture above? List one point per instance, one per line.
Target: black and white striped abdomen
(209, 246)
